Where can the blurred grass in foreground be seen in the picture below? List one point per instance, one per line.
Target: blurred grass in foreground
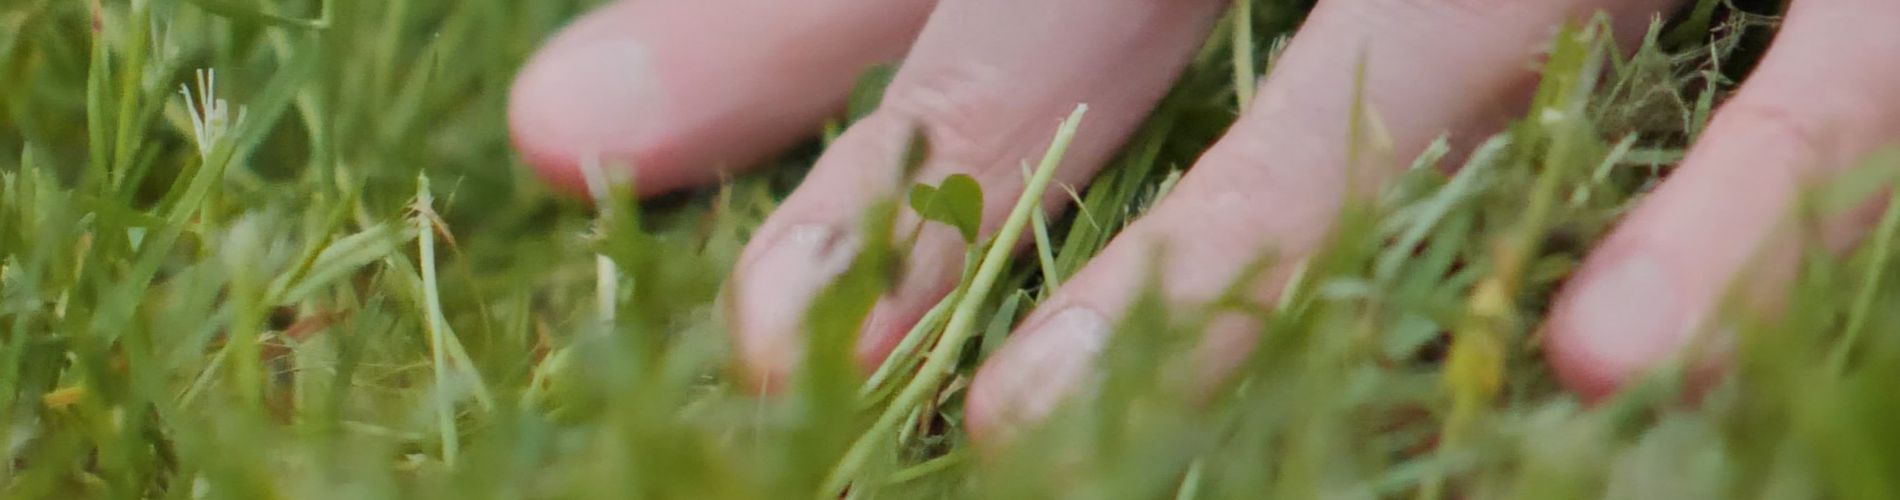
(337, 285)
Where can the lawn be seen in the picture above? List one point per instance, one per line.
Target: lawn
(282, 249)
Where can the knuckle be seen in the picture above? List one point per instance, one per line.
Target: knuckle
(1278, 163)
(1263, 184)
(1816, 134)
(950, 104)
(1777, 120)
(1458, 11)
(1456, 6)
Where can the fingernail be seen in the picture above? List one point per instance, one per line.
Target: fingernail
(1044, 367)
(777, 288)
(585, 98)
(1630, 315)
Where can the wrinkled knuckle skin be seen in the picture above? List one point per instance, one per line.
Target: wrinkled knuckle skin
(1830, 128)
(1293, 161)
(954, 105)
(1778, 120)
(1457, 6)
(1271, 186)
(1472, 10)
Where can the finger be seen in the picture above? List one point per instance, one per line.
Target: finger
(1827, 94)
(1274, 183)
(682, 90)
(987, 83)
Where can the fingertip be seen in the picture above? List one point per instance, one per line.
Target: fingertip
(884, 329)
(931, 269)
(979, 410)
(586, 97)
(1624, 315)
(1582, 369)
(778, 277)
(762, 377)
(1046, 364)
(683, 92)
(761, 365)
(994, 410)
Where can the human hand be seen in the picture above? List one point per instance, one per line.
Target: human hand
(680, 88)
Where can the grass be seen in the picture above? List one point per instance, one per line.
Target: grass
(336, 282)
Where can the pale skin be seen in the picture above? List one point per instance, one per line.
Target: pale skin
(685, 90)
